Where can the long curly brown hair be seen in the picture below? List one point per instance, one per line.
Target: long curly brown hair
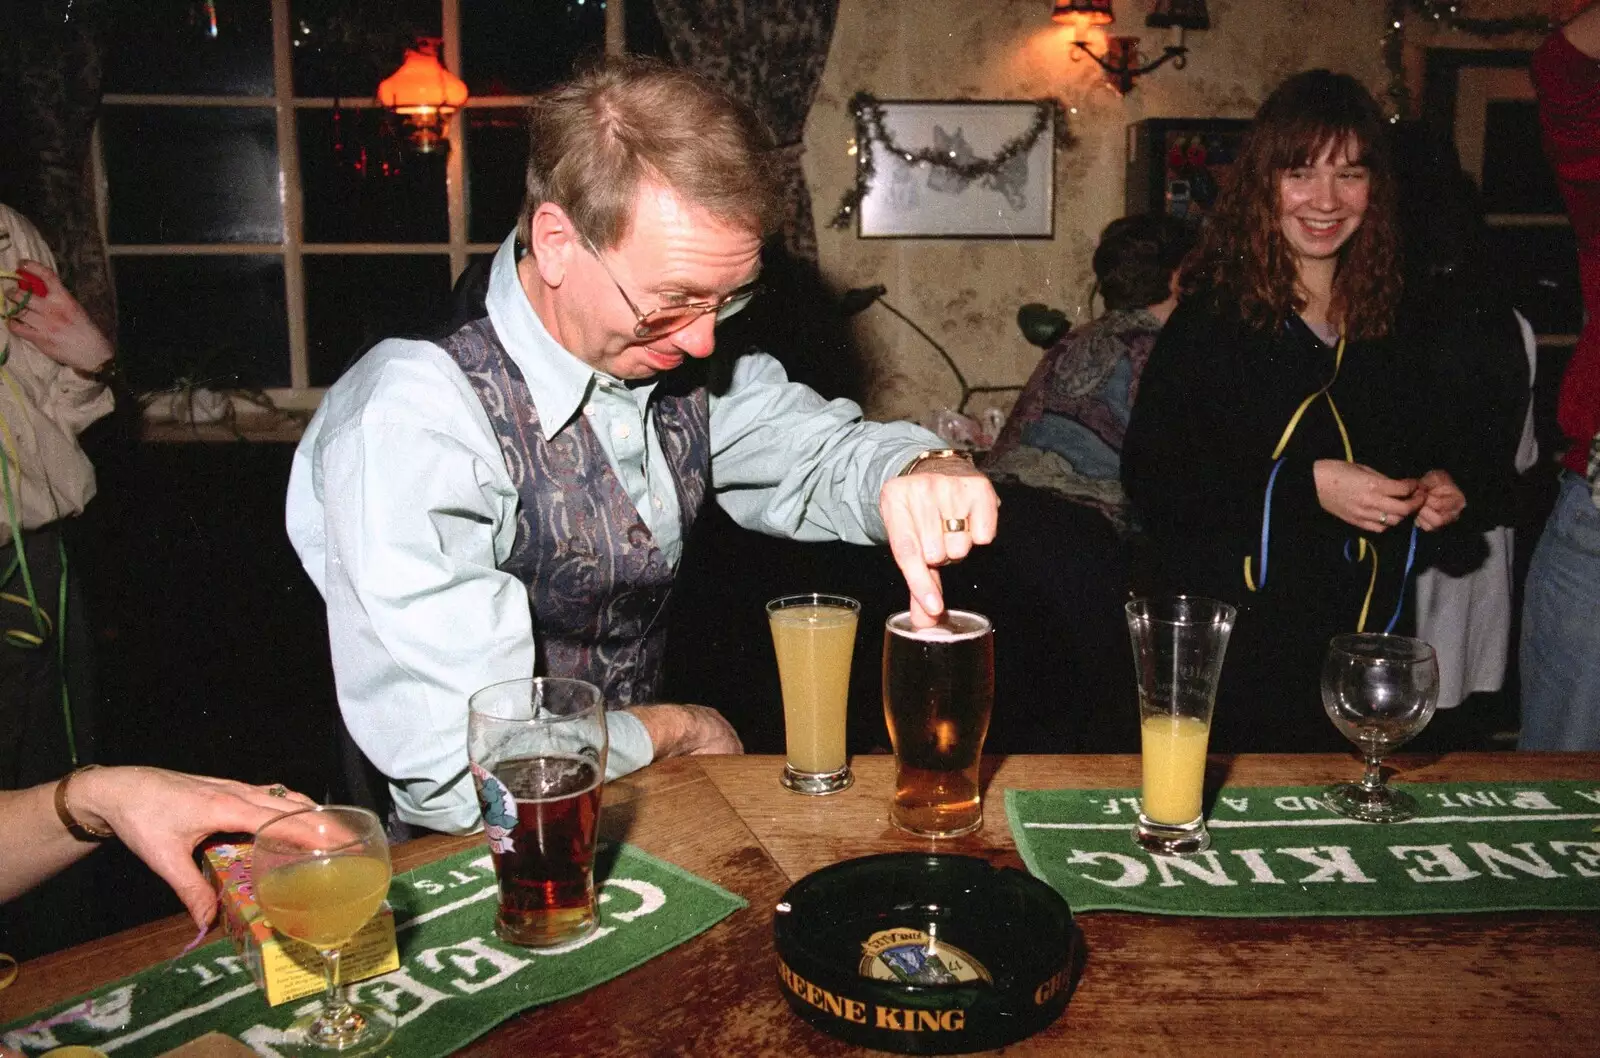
(1243, 256)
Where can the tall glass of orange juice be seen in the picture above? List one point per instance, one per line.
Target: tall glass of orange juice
(814, 637)
(1178, 646)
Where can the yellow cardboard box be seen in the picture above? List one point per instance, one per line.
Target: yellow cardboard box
(284, 968)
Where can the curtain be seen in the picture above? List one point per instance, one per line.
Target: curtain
(51, 95)
(768, 54)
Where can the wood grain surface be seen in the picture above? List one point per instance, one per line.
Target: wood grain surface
(1479, 984)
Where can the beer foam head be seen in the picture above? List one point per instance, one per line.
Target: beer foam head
(954, 626)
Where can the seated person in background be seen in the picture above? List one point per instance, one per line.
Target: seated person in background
(1064, 434)
(514, 499)
(1055, 583)
(159, 815)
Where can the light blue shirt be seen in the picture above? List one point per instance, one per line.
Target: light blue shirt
(401, 510)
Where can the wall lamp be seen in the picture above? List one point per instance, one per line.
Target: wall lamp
(424, 95)
(1121, 61)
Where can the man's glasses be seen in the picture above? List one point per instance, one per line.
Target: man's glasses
(658, 323)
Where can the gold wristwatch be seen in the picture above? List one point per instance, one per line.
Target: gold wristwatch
(935, 453)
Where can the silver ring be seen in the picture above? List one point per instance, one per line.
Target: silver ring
(277, 789)
(955, 525)
(1383, 518)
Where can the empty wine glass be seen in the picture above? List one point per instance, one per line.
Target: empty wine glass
(1380, 691)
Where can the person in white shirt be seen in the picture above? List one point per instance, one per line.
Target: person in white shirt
(515, 498)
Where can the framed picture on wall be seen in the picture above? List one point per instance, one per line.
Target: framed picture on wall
(921, 199)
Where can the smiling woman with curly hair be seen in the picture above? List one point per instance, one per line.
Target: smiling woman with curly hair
(1283, 446)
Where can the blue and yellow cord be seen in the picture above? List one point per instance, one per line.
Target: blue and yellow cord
(1364, 549)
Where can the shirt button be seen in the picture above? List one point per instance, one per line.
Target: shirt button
(657, 501)
(622, 431)
(588, 409)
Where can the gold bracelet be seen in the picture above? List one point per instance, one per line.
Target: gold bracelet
(81, 831)
(935, 453)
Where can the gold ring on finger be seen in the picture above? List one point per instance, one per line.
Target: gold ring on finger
(955, 525)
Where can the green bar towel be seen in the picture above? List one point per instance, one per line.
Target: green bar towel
(1278, 851)
(455, 982)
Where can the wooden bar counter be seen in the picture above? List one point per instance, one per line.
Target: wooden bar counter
(1485, 984)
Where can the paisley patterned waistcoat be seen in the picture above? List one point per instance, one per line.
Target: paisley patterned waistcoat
(597, 583)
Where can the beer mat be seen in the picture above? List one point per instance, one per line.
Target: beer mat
(456, 980)
(1278, 851)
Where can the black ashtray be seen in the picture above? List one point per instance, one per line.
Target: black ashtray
(924, 954)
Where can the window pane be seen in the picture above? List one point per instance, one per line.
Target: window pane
(497, 155)
(362, 184)
(192, 174)
(189, 48)
(643, 31)
(345, 47)
(1516, 174)
(213, 320)
(511, 47)
(1540, 270)
(354, 300)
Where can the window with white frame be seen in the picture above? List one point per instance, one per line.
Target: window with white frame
(266, 222)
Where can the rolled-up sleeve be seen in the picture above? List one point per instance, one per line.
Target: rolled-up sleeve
(789, 463)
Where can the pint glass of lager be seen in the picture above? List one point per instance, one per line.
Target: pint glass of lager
(938, 692)
(537, 751)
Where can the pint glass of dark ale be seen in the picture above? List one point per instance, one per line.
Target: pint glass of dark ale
(537, 750)
(938, 693)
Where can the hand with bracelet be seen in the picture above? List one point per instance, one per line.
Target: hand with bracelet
(159, 815)
(933, 512)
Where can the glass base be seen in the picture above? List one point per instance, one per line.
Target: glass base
(550, 928)
(934, 831)
(1377, 804)
(349, 1029)
(817, 782)
(1171, 839)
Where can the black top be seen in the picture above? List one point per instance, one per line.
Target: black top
(1213, 403)
(1214, 400)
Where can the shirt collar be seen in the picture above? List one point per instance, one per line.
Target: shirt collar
(558, 381)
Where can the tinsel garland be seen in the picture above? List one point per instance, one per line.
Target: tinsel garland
(1452, 15)
(869, 121)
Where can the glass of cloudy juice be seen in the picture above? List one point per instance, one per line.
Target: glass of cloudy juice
(320, 874)
(1178, 646)
(814, 637)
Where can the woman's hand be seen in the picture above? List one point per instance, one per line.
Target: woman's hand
(1443, 501)
(162, 815)
(59, 327)
(1366, 499)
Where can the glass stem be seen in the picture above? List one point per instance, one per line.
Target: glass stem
(333, 999)
(1372, 778)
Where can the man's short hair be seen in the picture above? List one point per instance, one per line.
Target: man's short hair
(1136, 258)
(596, 139)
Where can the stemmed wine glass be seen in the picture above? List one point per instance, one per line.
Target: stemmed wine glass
(1379, 690)
(320, 874)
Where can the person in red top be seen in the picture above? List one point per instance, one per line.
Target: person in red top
(1560, 650)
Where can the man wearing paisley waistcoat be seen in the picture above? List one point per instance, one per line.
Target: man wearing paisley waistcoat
(513, 499)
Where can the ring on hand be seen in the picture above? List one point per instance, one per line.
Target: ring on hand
(1383, 518)
(955, 525)
(277, 789)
